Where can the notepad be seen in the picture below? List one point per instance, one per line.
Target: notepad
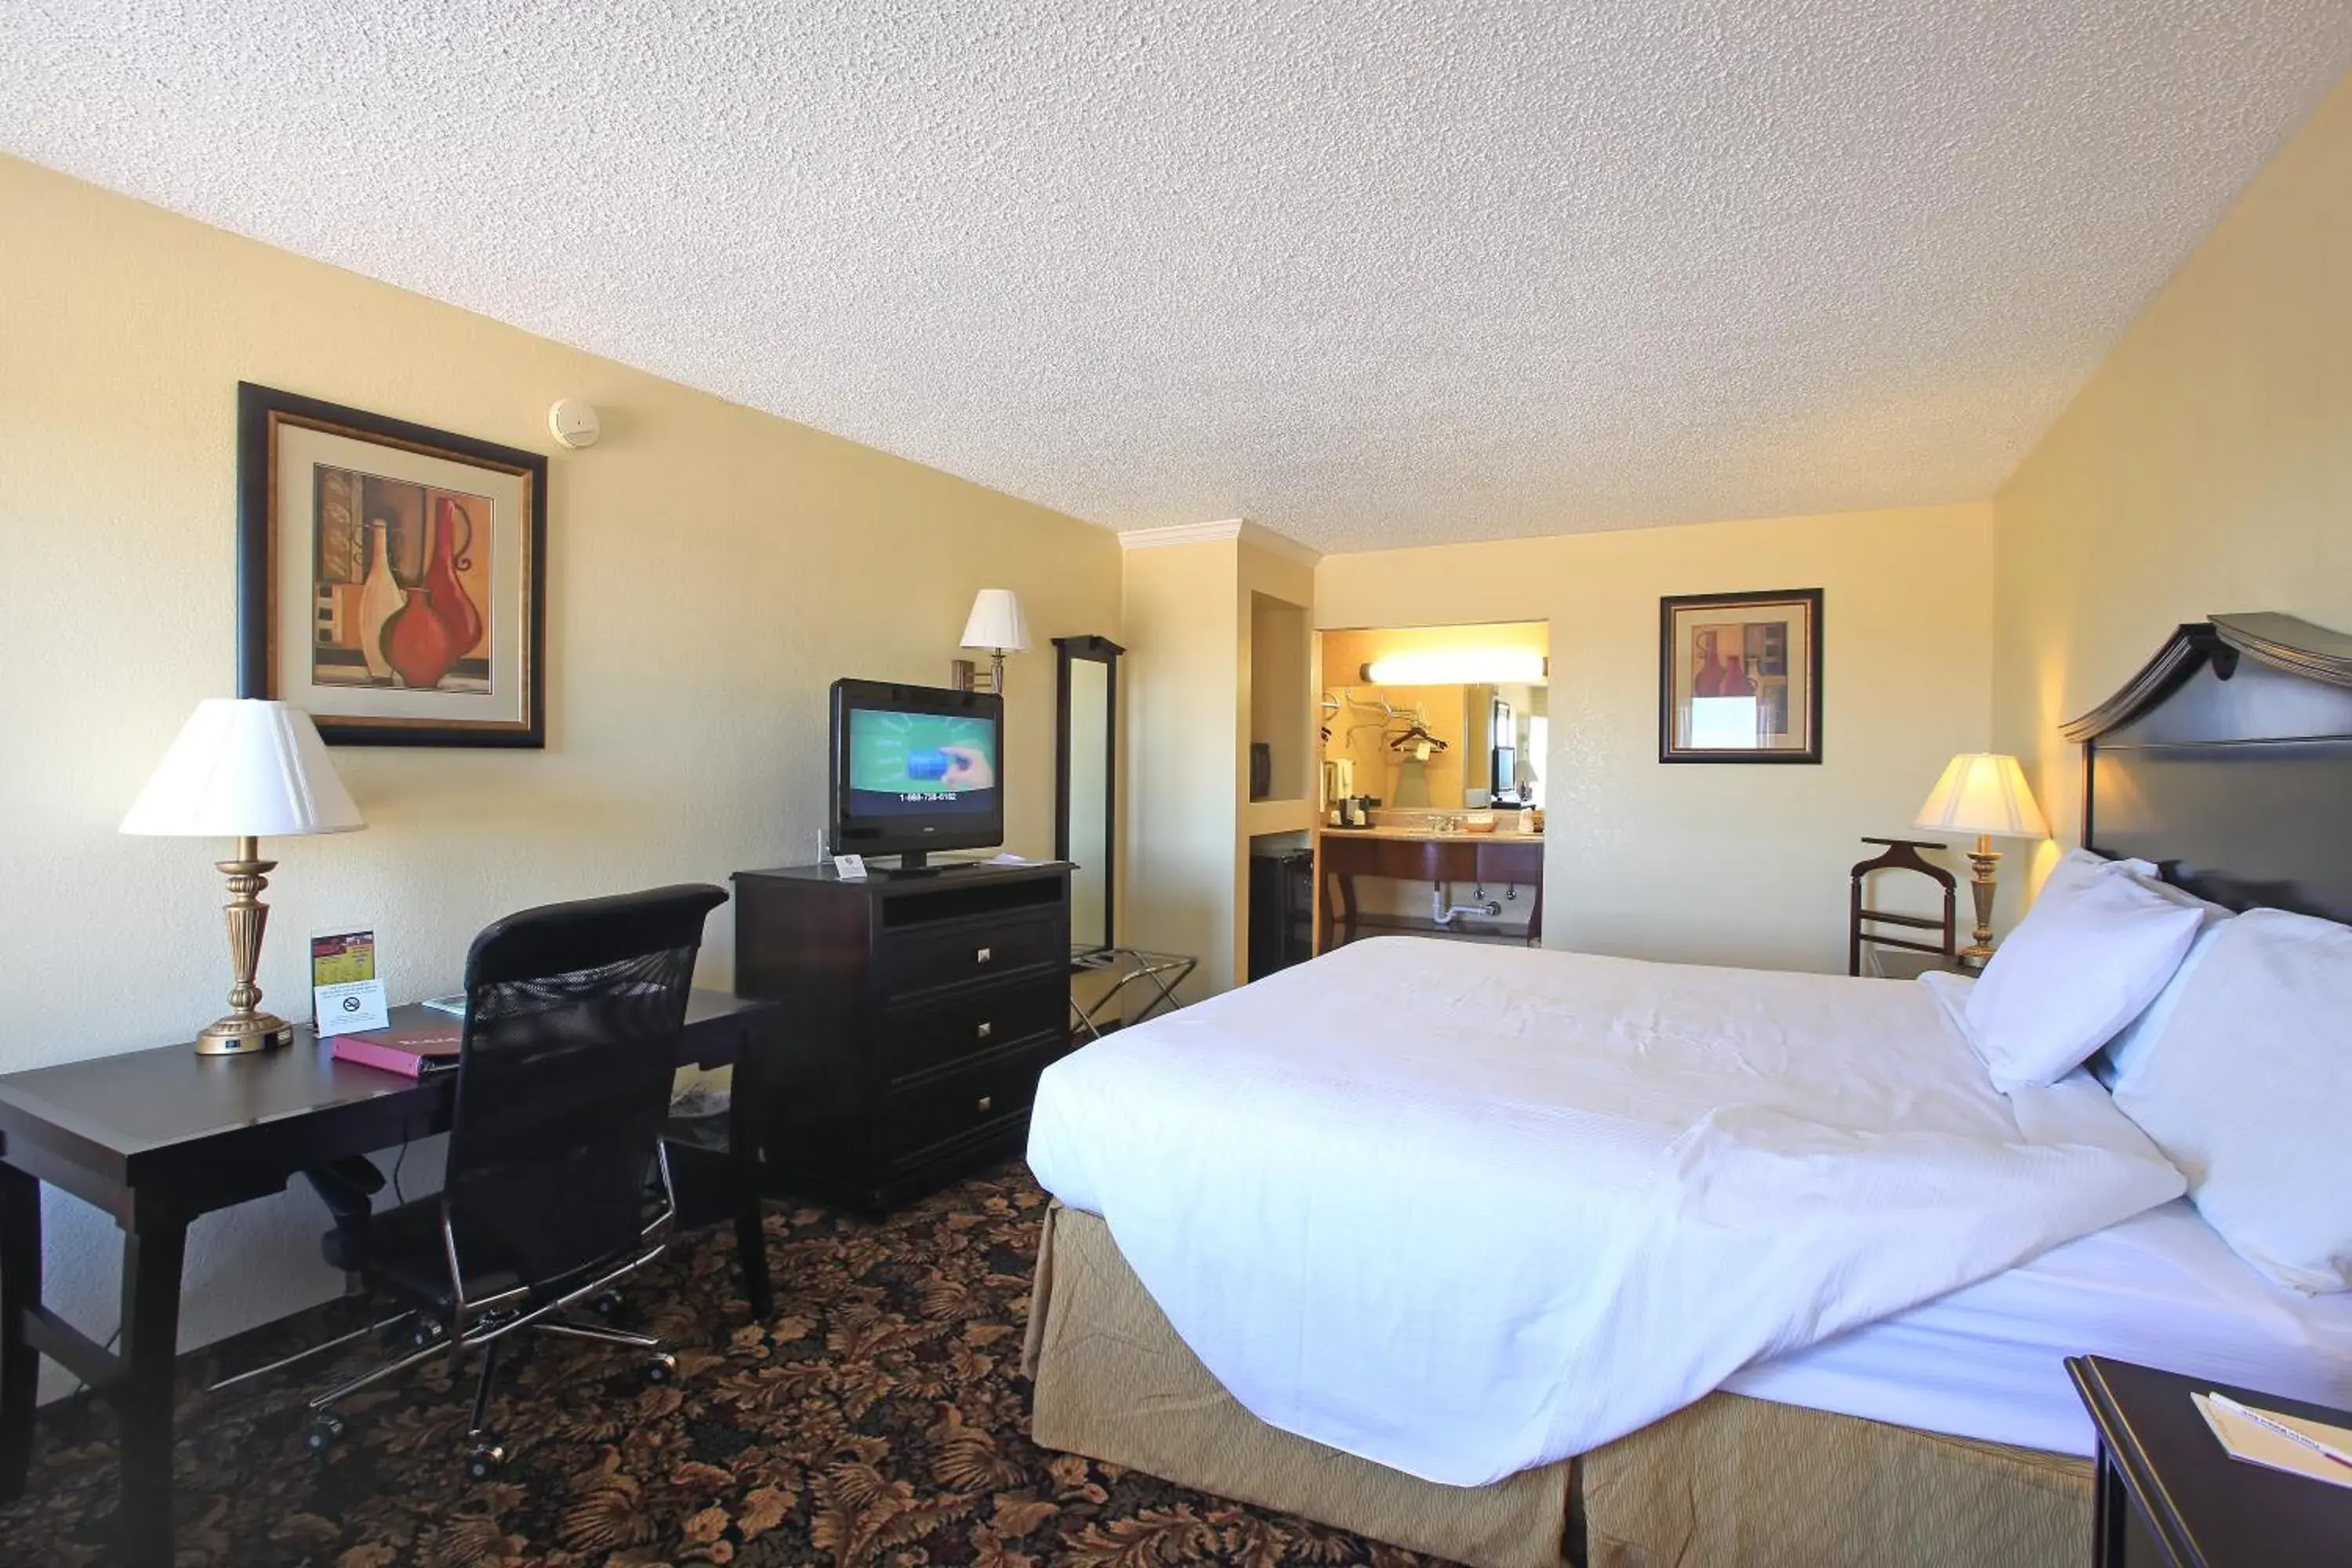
(2242, 1440)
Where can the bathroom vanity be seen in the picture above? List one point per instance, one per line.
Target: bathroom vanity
(1429, 853)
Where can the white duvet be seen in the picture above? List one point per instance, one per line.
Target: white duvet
(1464, 1210)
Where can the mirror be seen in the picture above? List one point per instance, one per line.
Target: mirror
(1436, 719)
(1478, 746)
(1086, 794)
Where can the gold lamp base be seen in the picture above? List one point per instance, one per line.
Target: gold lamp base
(243, 1036)
(244, 1030)
(1987, 862)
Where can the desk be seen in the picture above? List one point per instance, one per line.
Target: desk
(156, 1138)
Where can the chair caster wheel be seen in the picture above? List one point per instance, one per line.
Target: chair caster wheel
(485, 1460)
(608, 1305)
(661, 1367)
(325, 1430)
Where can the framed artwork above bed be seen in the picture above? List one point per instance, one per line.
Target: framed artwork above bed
(1740, 676)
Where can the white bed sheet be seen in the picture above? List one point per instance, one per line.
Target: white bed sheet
(1464, 1210)
(2161, 1289)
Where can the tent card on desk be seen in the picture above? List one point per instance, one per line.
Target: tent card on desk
(412, 1053)
(2279, 1441)
(345, 993)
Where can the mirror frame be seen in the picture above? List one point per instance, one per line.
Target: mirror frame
(1098, 650)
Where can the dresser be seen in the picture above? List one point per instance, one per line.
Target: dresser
(918, 1012)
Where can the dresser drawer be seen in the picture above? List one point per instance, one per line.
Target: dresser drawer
(915, 961)
(924, 1036)
(917, 1117)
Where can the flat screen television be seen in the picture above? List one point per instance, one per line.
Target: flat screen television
(915, 768)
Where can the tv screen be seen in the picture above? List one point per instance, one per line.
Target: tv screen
(920, 764)
(915, 768)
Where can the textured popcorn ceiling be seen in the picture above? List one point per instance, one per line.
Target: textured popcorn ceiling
(1372, 274)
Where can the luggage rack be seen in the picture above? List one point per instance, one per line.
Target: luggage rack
(1164, 971)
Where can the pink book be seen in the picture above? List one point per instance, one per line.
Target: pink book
(412, 1053)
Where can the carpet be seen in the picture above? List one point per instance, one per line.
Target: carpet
(880, 1418)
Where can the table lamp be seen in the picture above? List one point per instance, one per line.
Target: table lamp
(995, 625)
(244, 769)
(1984, 793)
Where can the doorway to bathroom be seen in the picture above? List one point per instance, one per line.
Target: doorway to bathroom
(1435, 748)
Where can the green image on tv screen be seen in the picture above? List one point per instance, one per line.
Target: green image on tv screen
(919, 758)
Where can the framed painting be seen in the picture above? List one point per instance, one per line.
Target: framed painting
(389, 576)
(1739, 677)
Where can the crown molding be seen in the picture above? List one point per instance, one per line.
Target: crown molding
(1180, 533)
(1238, 528)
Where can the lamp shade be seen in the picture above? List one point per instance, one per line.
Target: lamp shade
(996, 622)
(1983, 792)
(244, 768)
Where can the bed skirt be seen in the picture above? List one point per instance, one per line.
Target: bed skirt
(1729, 1483)
(1114, 1383)
(1732, 1480)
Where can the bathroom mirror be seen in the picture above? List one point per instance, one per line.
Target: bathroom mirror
(1086, 791)
(1438, 718)
(1476, 746)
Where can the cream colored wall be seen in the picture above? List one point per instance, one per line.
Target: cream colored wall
(1282, 657)
(710, 571)
(1260, 574)
(1730, 864)
(2206, 469)
(1182, 725)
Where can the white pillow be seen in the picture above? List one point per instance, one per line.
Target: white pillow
(2091, 953)
(2127, 1051)
(2076, 864)
(2245, 1091)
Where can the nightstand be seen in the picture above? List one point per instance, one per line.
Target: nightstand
(1895, 964)
(2168, 1494)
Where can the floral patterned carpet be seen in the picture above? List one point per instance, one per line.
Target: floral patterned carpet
(879, 1419)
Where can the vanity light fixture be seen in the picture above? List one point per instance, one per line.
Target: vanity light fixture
(1457, 667)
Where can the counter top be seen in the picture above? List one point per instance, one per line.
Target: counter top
(1431, 834)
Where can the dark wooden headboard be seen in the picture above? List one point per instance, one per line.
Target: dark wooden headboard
(2228, 761)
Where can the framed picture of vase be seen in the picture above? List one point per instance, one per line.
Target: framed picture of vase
(1740, 676)
(389, 576)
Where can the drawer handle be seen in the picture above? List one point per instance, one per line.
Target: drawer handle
(982, 956)
(986, 1030)
(986, 1100)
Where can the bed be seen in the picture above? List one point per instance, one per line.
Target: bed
(1878, 1384)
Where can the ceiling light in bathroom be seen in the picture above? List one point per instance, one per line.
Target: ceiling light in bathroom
(1456, 667)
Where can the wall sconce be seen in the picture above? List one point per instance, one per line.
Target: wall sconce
(996, 626)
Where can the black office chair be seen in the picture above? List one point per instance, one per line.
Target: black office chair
(556, 1186)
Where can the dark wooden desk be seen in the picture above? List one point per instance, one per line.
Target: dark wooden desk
(156, 1138)
(2169, 1495)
